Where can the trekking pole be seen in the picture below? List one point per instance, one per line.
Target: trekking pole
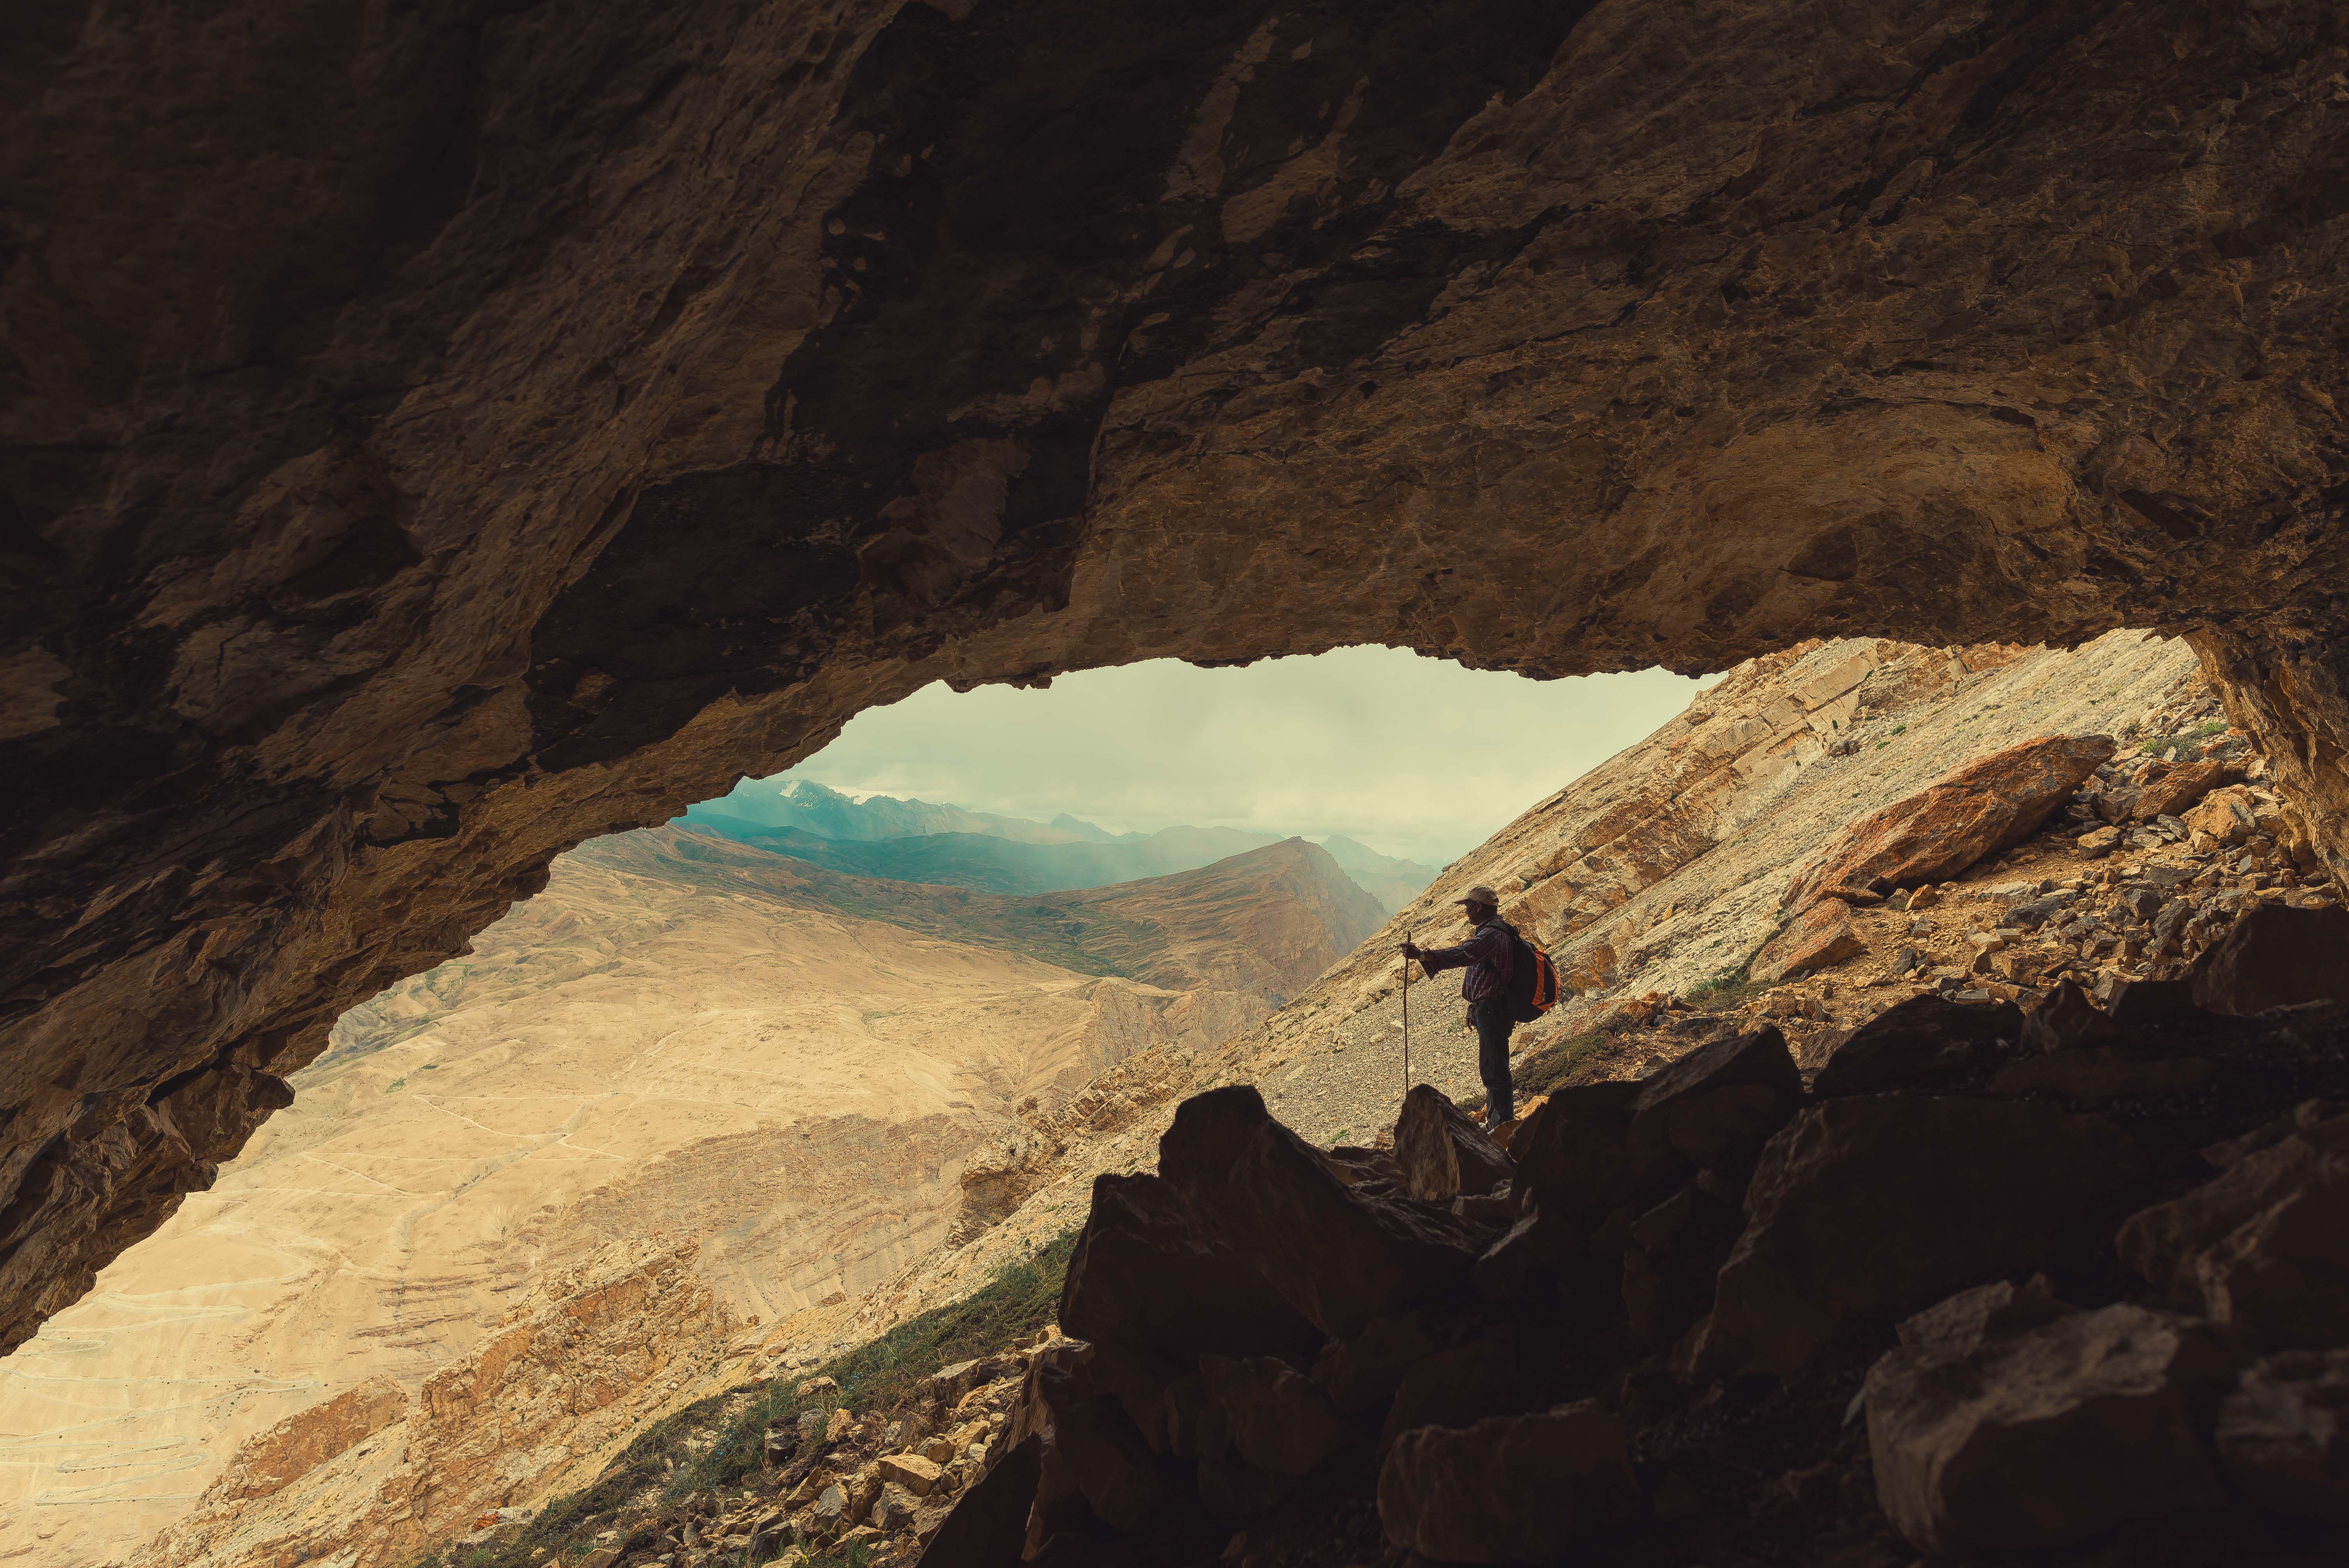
(1406, 1020)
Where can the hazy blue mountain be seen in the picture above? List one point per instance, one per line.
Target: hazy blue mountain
(993, 864)
(916, 840)
(801, 803)
(1393, 882)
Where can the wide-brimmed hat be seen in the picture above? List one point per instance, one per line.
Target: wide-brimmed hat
(1482, 894)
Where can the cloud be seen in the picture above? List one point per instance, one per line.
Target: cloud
(1411, 756)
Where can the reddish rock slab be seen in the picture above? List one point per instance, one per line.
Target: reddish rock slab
(1820, 937)
(1338, 1256)
(1441, 1150)
(1513, 1488)
(2045, 1438)
(1979, 809)
(1867, 1207)
(2177, 791)
(2275, 957)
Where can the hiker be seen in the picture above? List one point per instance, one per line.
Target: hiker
(1489, 956)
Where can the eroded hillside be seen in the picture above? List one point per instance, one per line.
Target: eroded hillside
(752, 1083)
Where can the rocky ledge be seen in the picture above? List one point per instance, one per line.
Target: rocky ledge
(2070, 1284)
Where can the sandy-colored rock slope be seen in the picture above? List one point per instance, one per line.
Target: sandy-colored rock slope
(1666, 865)
(658, 1052)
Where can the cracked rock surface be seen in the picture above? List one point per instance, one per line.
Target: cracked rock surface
(432, 439)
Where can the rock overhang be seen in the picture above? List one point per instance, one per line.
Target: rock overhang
(439, 476)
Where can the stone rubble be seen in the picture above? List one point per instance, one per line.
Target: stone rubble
(1509, 1376)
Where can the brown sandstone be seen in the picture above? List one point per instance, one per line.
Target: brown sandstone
(409, 482)
(1818, 938)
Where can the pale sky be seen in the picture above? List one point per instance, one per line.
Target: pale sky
(1413, 756)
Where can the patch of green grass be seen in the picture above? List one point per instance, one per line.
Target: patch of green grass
(396, 1083)
(2190, 744)
(720, 1441)
(1557, 1064)
(1725, 991)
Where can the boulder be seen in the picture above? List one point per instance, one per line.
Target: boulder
(1515, 1489)
(1455, 1387)
(1995, 1443)
(1157, 1287)
(1820, 937)
(2275, 957)
(838, 1425)
(915, 1474)
(2064, 1018)
(1716, 1105)
(1339, 1257)
(1676, 1250)
(1093, 1449)
(2174, 792)
(2094, 1077)
(2265, 1245)
(1977, 810)
(1573, 1154)
(2224, 818)
(1865, 1207)
(2284, 1435)
(1362, 1373)
(2097, 843)
(1925, 1040)
(1533, 1255)
(894, 1509)
(1276, 1419)
(1441, 1153)
(988, 1523)
(1354, 1165)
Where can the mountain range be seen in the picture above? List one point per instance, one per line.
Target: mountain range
(881, 836)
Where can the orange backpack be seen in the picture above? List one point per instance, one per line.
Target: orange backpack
(1533, 980)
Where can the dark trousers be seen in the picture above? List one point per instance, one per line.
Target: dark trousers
(1492, 1020)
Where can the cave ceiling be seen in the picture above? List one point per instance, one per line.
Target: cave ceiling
(434, 435)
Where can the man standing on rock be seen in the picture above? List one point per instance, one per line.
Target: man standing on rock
(1489, 956)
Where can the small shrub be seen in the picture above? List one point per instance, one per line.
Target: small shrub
(1726, 991)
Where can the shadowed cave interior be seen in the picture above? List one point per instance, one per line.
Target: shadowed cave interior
(436, 437)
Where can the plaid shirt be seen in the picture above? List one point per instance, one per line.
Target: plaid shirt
(1488, 956)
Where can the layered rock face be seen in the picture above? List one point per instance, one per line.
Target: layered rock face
(432, 439)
